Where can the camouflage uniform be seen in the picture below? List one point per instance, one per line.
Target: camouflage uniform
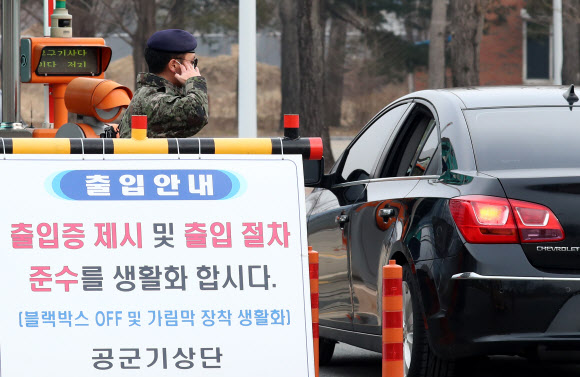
(171, 111)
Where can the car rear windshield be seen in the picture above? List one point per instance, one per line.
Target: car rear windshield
(525, 138)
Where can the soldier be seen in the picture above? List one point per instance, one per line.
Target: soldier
(173, 94)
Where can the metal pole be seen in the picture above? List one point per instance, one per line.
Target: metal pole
(48, 7)
(46, 17)
(10, 67)
(247, 103)
(558, 42)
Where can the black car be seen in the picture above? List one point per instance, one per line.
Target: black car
(476, 193)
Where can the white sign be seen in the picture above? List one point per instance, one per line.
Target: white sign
(153, 266)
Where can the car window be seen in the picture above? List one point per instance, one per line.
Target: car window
(525, 138)
(424, 157)
(362, 155)
(414, 147)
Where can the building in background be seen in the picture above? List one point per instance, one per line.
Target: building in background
(517, 50)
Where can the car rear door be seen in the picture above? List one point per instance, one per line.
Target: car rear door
(328, 222)
(378, 226)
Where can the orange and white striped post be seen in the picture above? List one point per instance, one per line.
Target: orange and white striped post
(313, 268)
(393, 363)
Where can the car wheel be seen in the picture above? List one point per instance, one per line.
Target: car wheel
(326, 349)
(419, 359)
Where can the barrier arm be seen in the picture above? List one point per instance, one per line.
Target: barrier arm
(310, 147)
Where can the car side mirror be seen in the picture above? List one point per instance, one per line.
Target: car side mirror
(313, 172)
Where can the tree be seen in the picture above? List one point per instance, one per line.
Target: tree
(437, 44)
(334, 75)
(136, 20)
(311, 60)
(367, 16)
(467, 20)
(393, 55)
(139, 19)
(571, 63)
(290, 70)
(87, 16)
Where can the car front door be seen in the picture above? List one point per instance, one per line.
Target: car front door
(328, 222)
(378, 225)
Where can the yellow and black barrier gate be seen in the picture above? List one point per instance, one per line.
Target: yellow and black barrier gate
(308, 148)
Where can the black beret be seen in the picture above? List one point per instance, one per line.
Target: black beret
(172, 40)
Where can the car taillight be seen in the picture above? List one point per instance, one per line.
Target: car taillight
(484, 219)
(488, 219)
(536, 222)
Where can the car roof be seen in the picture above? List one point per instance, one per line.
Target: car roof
(504, 96)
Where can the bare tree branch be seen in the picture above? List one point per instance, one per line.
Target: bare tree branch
(169, 8)
(117, 19)
(33, 11)
(349, 15)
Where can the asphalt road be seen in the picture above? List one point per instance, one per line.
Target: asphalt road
(355, 362)
(352, 361)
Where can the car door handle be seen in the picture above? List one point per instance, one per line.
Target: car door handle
(341, 219)
(386, 213)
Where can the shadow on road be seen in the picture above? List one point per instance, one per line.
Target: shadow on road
(352, 361)
(503, 366)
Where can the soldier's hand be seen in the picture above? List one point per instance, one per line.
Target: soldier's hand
(187, 71)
